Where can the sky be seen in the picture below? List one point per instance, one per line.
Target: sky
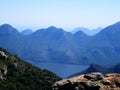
(67, 14)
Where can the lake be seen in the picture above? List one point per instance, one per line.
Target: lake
(61, 69)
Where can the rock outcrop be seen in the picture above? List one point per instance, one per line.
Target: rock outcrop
(92, 81)
(3, 71)
(3, 55)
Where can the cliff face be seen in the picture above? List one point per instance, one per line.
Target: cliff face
(92, 81)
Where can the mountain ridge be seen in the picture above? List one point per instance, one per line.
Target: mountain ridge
(8, 29)
(99, 68)
(56, 45)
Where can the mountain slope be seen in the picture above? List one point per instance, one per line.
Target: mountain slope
(87, 31)
(16, 74)
(106, 45)
(99, 68)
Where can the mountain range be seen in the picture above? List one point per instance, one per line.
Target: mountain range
(87, 31)
(56, 45)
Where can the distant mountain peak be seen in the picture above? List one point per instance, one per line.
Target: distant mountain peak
(7, 29)
(27, 32)
(87, 31)
(80, 33)
(52, 28)
(79, 29)
(6, 26)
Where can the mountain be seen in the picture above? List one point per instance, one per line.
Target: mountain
(7, 29)
(112, 34)
(9, 37)
(27, 32)
(51, 43)
(54, 45)
(105, 45)
(80, 29)
(95, 68)
(16, 74)
(99, 68)
(87, 31)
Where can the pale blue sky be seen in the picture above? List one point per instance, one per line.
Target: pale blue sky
(70, 14)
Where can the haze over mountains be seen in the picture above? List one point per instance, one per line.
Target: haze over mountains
(87, 31)
(27, 32)
(58, 46)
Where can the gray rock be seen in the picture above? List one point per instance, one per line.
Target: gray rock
(90, 85)
(105, 82)
(94, 76)
(64, 85)
(3, 72)
(117, 81)
(3, 55)
(92, 81)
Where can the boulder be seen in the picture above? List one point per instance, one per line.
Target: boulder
(94, 76)
(3, 72)
(90, 85)
(3, 55)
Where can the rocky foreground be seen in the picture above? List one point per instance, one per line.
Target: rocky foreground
(92, 81)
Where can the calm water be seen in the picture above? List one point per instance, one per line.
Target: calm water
(62, 70)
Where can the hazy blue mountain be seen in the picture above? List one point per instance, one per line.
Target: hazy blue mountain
(105, 45)
(7, 30)
(10, 38)
(80, 29)
(81, 38)
(87, 31)
(112, 34)
(56, 45)
(51, 43)
(27, 32)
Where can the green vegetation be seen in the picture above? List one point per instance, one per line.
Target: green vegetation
(16, 74)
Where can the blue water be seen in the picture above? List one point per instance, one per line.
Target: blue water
(62, 70)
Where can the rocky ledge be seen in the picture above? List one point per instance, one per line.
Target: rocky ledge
(92, 81)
